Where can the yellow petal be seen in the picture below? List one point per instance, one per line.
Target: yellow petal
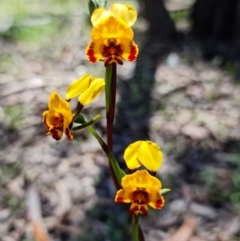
(141, 179)
(130, 49)
(94, 50)
(111, 27)
(155, 199)
(57, 104)
(124, 195)
(98, 14)
(150, 155)
(95, 89)
(54, 127)
(59, 117)
(66, 129)
(130, 155)
(126, 12)
(78, 86)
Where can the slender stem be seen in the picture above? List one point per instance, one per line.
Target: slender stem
(111, 104)
(110, 93)
(84, 125)
(118, 174)
(108, 79)
(135, 228)
(77, 111)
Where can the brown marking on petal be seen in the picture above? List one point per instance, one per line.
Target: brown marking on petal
(143, 210)
(138, 209)
(57, 120)
(45, 123)
(68, 133)
(133, 53)
(112, 52)
(54, 132)
(90, 53)
(54, 125)
(113, 59)
(159, 203)
(140, 196)
(119, 199)
(133, 209)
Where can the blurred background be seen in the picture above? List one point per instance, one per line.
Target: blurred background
(183, 93)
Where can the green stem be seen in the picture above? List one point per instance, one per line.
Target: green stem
(118, 173)
(87, 123)
(110, 89)
(110, 94)
(77, 111)
(108, 75)
(135, 228)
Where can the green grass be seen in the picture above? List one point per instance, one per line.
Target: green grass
(34, 20)
(14, 115)
(218, 194)
(179, 14)
(9, 172)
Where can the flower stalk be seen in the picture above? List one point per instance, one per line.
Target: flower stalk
(110, 98)
(111, 42)
(118, 172)
(135, 228)
(110, 89)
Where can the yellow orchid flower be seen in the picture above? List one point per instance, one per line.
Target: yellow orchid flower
(146, 153)
(125, 12)
(58, 118)
(141, 189)
(112, 35)
(88, 87)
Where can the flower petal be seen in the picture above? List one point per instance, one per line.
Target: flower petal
(55, 133)
(126, 12)
(130, 49)
(67, 130)
(141, 179)
(150, 155)
(78, 86)
(94, 50)
(130, 155)
(113, 59)
(98, 14)
(94, 90)
(138, 209)
(57, 104)
(124, 195)
(111, 28)
(49, 120)
(58, 118)
(155, 199)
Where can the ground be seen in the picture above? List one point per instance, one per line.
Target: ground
(195, 119)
